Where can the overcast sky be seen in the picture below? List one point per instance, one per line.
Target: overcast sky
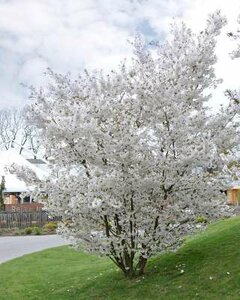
(70, 35)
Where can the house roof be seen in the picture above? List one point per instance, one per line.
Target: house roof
(235, 188)
(36, 161)
(12, 183)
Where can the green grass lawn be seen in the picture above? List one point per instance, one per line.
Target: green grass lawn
(210, 260)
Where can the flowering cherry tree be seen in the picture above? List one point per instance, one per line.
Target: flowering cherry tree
(235, 94)
(137, 157)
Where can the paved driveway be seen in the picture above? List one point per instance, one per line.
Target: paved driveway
(11, 247)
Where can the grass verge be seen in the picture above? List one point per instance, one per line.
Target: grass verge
(206, 267)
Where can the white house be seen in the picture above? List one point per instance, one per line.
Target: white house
(14, 186)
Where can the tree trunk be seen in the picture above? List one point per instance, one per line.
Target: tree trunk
(133, 272)
(129, 269)
(2, 187)
(1, 204)
(141, 265)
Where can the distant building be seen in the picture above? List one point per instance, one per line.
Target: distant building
(17, 195)
(234, 195)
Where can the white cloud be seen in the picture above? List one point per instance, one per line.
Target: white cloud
(71, 35)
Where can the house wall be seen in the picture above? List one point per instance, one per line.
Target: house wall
(10, 199)
(24, 207)
(234, 196)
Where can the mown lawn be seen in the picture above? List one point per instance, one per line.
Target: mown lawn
(211, 264)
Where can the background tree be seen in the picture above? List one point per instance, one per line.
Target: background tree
(16, 133)
(2, 188)
(137, 155)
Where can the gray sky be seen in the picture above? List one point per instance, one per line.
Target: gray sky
(69, 35)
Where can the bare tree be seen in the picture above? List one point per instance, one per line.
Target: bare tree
(16, 133)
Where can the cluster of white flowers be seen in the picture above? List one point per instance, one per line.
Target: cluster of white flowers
(234, 95)
(136, 154)
(236, 36)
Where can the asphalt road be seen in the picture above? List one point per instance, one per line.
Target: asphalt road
(11, 247)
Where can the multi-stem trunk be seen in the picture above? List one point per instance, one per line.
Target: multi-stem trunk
(129, 267)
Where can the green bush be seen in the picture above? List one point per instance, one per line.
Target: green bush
(201, 219)
(36, 230)
(50, 227)
(28, 230)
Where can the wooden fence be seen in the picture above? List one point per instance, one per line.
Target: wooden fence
(23, 219)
